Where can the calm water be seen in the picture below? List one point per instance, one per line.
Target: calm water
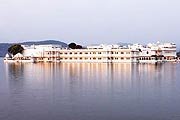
(84, 91)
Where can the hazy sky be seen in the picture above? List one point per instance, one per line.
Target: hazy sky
(90, 21)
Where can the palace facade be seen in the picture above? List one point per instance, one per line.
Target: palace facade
(135, 53)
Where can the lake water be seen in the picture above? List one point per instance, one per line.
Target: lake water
(89, 91)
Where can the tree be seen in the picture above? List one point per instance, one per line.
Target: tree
(178, 54)
(14, 49)
(72, 45)
(78, 47)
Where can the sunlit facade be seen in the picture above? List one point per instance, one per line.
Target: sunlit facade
(156, 52)
(99, 54)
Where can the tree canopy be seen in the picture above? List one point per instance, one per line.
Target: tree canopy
(74, 46)
(178, 54)
(14, 49)
(78, 47)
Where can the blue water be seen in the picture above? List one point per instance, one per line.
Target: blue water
(89, 91)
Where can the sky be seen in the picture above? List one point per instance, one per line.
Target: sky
(90, 21)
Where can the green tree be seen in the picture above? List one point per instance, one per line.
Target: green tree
(14, 49)
(72, 45)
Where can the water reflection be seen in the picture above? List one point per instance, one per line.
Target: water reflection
(95, 74)
(87, 91)
(15, 70)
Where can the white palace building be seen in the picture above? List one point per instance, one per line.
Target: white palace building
(136, 53)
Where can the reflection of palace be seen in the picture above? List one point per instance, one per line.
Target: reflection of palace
(103, 53)
(72, 76)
